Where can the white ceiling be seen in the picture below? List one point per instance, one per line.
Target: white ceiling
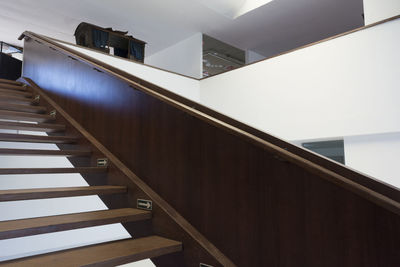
(275, 27)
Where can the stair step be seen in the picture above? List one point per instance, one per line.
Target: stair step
(22, 108)
(13, 87)
(15, 92)
(43, 152)
(40, 193)
(49, 224)
(40, 127)
(16, 99)
(25, 116)
(10, 82)
(85, 170)
(6, 137)
(107, 254)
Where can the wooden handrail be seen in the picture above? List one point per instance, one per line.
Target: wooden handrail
(387, 197)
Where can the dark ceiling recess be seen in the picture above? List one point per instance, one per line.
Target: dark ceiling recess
(333, 150)
(10, 49)
(10, 67)
(219, 56)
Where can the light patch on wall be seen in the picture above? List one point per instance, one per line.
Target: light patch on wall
(227, 8)
(233, 8)
(250, 5)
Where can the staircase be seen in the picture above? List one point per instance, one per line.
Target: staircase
(19, 102)
(261, 200)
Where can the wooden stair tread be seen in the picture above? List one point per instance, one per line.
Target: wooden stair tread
(107, 254)
(10, 82)
(21, 107)
(37, 138)
(15, 92)
(49, 224)
(13, 87)
(85, 170)
(41, 127)
(43, 152)
(40, 193)
(16, 98)
(25, 116)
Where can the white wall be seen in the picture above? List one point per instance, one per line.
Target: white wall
(376, 155)
(184, 57)
(187, 87)
(252, 56)
(345, 86)
(376, 10)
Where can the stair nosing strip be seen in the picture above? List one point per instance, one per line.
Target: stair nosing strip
(57, 192)
(27, 138)
(43, 152)
(11, 171)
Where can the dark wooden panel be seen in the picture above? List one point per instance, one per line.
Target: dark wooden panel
(259, 209)
(194, 108)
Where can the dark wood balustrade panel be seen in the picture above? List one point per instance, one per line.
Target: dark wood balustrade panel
(257, 209)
